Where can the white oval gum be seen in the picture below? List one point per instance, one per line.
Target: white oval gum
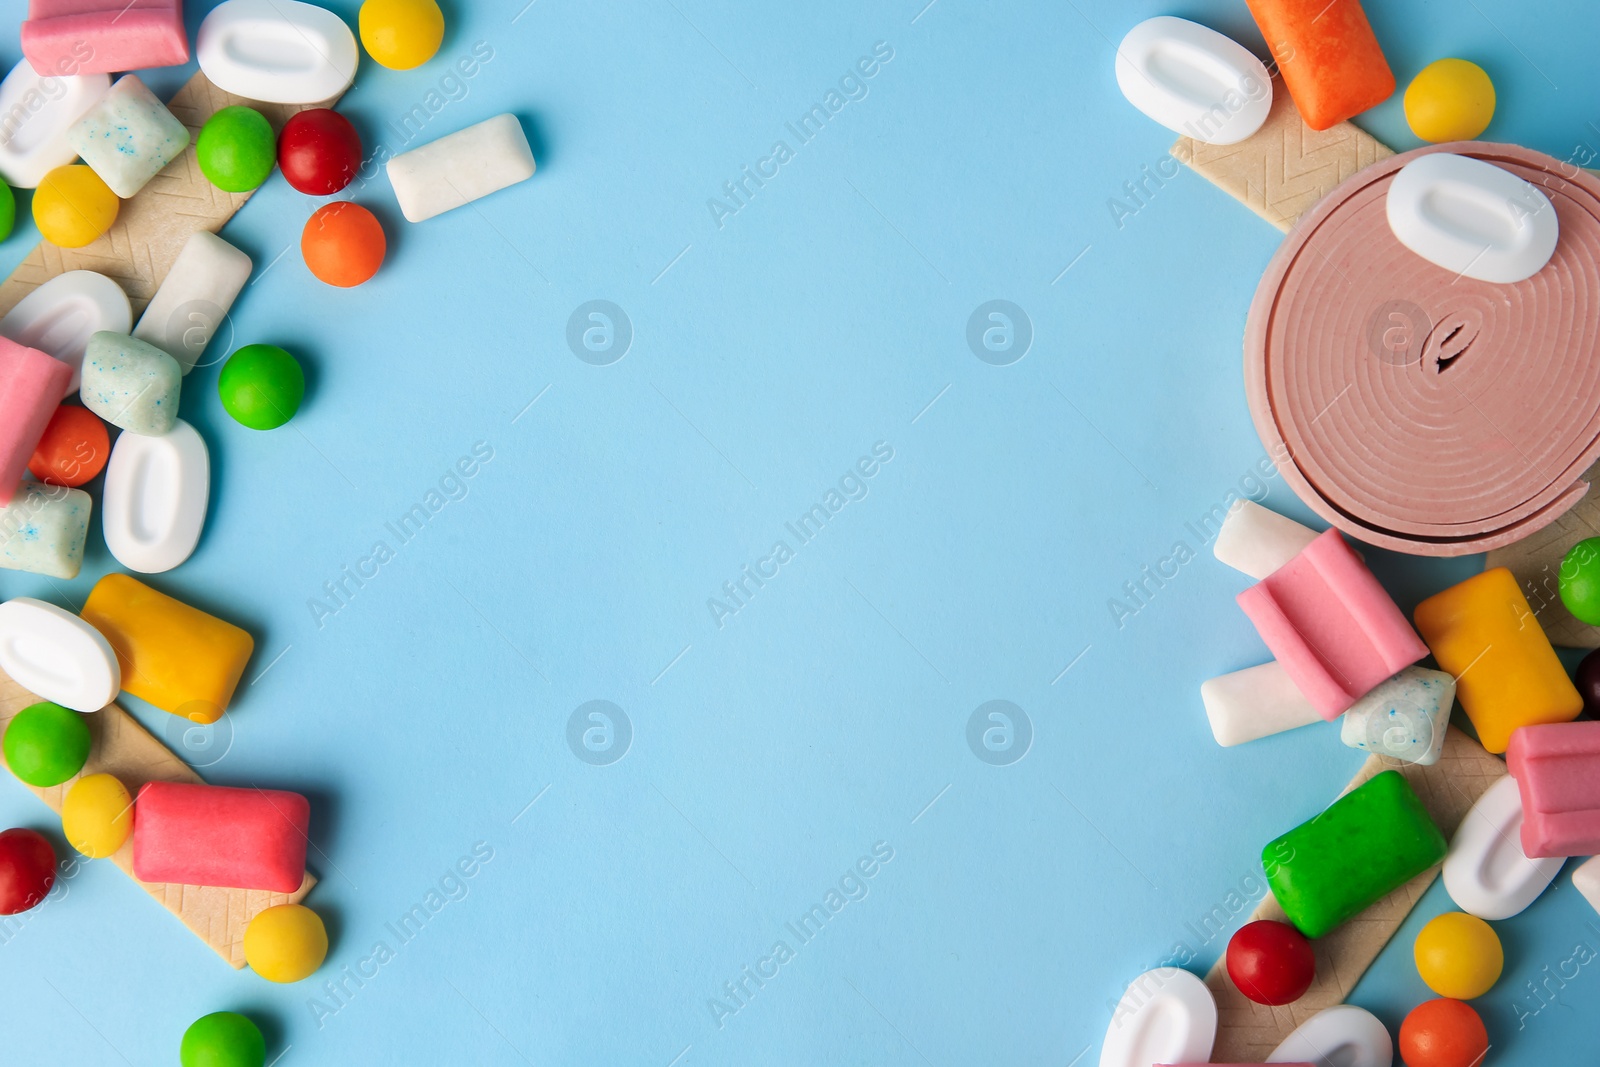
(1166, 1016)
(277, 51)
(51, 652)
(1341, 1036)
(61, 315)
(1472, 218)
(156, 491)
(1193, 80)
(1486, 872)
(35, 114)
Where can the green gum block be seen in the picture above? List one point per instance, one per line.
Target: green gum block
(1369, 842)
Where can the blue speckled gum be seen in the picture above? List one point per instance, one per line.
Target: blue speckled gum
(128, 137)
(43, 530)
(131, 384)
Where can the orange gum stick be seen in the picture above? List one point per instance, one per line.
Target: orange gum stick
(1330, 61)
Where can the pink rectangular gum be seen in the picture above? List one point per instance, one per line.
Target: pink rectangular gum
(1557, 768)
(1331, 625)
(211, 835)
(31, 387)
(103, 36)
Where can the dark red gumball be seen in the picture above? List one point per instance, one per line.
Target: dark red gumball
(27, 870)
(1589, 682)
(319, 151)
(1271, 962)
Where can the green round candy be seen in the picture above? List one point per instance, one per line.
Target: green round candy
(1579, 580)
(223, 1039)
(261, 386)
(8, 210)
(46, 744)
(236, 149)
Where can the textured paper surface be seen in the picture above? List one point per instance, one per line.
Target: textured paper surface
(1285, 167)
(1536, 561)
(124, 748)
(1246, 1031)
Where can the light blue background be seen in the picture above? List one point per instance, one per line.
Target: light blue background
(830, 713)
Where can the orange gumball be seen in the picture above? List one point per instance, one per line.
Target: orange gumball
(74, 448)
(343, 244)
(1443, 1033)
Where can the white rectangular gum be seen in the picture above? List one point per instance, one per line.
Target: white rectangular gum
(1257, 541)
(193, 301)
(1254, 703)
(36, 111)
(461, 167)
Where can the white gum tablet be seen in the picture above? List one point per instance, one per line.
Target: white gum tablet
(277, 51)
(1253, 703)
(1486, 872)
(1166, 1016)
(194, 298)
(35, 114)
(156, 491)
(61, 315)
(1193, 80)
(1472, 218)
(1257, 540)
(461, 167)
(1341, 1036)
(51, 652)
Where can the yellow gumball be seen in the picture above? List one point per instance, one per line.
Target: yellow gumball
(1459, 955)
(401, 34)
(73, 206)
(286, 943)
(1451, 100)
(97, 815)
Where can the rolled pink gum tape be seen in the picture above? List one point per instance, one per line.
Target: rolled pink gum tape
(101, 36)
(1331, 625)
(1557, 768)
(1420, 410)
(31, 384)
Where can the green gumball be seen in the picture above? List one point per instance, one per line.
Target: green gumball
(223, 1039)
(236, 149)
(261, 386)
(1579, 580)
(8, 210)
(46, 744)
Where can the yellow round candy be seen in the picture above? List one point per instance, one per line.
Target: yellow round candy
(97, 815)
(1459, 955)
(1451, 100)
(286, 943)
(72, 206)
(401, 34)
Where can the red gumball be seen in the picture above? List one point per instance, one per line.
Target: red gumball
(27, 870)
(1443, 1033)
(319, 151)
(1271, 962)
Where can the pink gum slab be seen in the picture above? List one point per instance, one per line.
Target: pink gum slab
(1557, 768)
(1331, 625)
(213, 835)
(31, 385)
(102, 36)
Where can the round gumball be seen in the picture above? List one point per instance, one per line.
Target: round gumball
(97, 815)
(1450, 100)
(319, 151)
(73, 207)
(286, 943)
(8, 210)
(261, 386)
(343, 244)
(236, 149)
(46, 744)
(74, 448)
(1459, 955)
(1588, 679)
(401, 34)
(1578, 580)
(27, 870)
(1443, 1033)
(1271, 962)
(223, 1039)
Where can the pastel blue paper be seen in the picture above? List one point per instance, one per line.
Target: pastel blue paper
(1405, 717)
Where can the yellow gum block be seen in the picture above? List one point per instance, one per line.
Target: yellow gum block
(1507, 675)
(176, 657)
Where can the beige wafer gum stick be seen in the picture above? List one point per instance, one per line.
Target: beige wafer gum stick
(124, 748)
(1285, 167)
(1246, 1031)
(1536, 561)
